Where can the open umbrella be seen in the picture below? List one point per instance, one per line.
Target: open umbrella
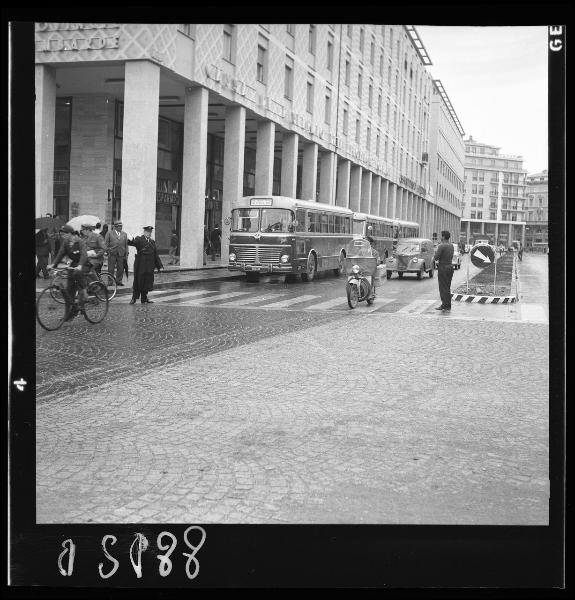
(77, 222)
(50, 223)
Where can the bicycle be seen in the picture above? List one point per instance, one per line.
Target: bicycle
(51, 312)
(104, 276)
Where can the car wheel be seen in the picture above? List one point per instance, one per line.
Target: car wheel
(388, 274)
(400, 275)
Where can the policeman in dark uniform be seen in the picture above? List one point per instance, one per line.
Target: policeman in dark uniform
(444, 257)
(147, 259)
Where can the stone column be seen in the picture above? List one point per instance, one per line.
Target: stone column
(355, 188)
(327, 177)
(365, 191)
(391, 200)
(383, 209)
(343, 174)
(375, 195)
(194, 177)
(140, 147)
(265, 158)
(289, 164)
(45, 121)
(399, 214)
(234, 145)
(468, 232)
(309, 172)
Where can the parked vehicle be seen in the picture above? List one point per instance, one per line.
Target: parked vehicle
(411, 255)
(361, 269)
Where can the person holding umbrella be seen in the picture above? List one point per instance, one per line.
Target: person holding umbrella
(147, 259)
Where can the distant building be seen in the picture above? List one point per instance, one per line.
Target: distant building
(536, 211)
(447, 165)
(495, 195)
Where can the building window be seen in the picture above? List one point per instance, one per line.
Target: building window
(359, 83)
(290, 29)
(311, 41)
(261, 64)
(345, 120)
(288, 83)
(228, 46)
(361, 41)
(385, 150)
(372, 52)
(309, 106)
(370, 96)
(349, 31)
(379, 104)
(381, 61)
(357, 129)
(330, 53)
(377, 145)
(328, 106)
(347, 71)
(368, 139)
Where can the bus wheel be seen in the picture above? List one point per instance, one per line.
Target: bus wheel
(340, 270)
(252, 277)
(310, 273)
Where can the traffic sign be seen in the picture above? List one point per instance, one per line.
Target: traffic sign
(482, 255)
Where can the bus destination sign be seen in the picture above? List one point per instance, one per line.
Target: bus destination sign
(261, 202)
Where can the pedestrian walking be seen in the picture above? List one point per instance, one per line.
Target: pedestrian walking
(174, 241)
(216, 241)
(443, 258)
(207, 245)
(147, 259)
(42, 252)
(117, 246)
(95, 247)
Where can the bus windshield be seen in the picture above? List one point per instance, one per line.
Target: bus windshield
(278, 220)
(407, 248)
(245, 219)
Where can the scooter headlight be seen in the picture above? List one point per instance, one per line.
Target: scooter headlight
(414, 260)
(232, 257)
(355, 269)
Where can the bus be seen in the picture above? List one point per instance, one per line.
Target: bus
(384, 231)
(277, 234)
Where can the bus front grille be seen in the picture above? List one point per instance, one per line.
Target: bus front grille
(258, 254)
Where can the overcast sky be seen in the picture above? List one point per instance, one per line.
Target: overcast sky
(496, 79)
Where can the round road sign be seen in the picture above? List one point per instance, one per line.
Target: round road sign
(482, 255)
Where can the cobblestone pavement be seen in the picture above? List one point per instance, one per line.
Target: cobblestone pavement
(190, 413)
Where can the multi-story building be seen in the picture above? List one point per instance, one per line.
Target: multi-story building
(536, 212)
(447, 158)
(165, 125)
(494, 195)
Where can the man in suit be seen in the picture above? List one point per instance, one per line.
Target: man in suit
(147, 259)
(117, 246)
(444, 257)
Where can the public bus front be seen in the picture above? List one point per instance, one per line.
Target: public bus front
(276, 234)
(384, 231)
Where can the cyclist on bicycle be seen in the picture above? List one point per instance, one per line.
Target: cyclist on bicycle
(73, 247)
(95, 248)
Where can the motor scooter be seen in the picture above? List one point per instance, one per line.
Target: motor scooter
(361, 269)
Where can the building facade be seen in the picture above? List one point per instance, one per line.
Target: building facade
(166, 125)
(447, 159)
(536, 212)
(494, 195)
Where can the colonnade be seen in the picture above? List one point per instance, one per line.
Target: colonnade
(341, 182)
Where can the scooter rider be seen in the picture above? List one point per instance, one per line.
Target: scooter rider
(374, 253)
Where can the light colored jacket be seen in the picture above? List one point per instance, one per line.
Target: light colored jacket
(117, 244)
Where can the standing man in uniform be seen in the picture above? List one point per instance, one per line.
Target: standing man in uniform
(117, 246)
(147, 259)
(443, 257)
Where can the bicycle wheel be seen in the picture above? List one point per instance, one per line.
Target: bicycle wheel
(50, 313)
(96, 307)
(364, 289)
(352, 297)
(110, 282)
(56, 285)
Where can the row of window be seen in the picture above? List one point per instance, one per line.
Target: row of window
(449, 174)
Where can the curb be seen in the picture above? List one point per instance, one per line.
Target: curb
(484, 299)
(127, 289)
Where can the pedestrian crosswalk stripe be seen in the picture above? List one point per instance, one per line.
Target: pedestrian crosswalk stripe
(212, 298)
(289, 301)
(183, 295)
(417, 306)
(251, 300)
(328, 304)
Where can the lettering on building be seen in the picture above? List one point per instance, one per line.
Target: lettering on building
(95, 40)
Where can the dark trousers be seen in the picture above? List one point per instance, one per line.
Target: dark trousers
(42, 265)
(136, 294)
(444, 277)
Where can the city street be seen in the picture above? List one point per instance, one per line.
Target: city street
(232, 402)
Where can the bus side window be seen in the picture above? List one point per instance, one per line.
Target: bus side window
(300, 220)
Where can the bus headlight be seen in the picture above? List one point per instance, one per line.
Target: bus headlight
(355, 269)
(232, 257)
(284, 258)
(414, 260)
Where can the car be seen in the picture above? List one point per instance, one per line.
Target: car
(411, 255)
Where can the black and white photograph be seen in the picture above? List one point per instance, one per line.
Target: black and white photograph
(287, 275)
